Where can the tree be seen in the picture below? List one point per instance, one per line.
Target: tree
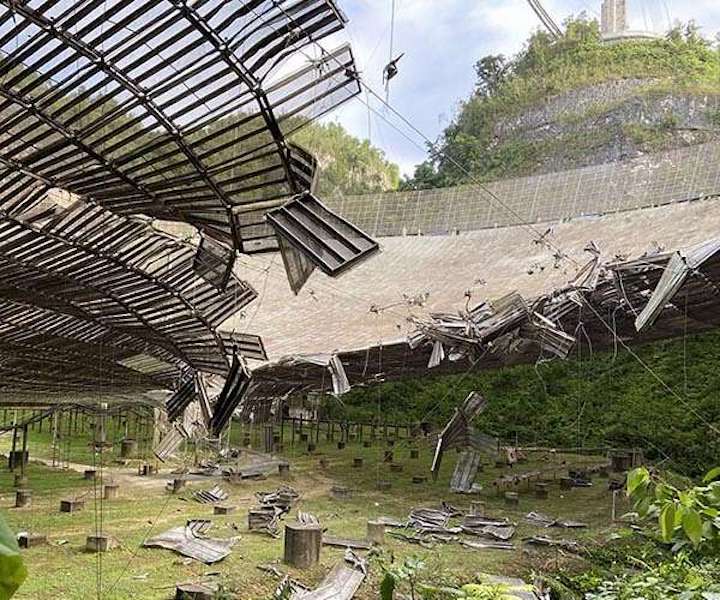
(491, 71)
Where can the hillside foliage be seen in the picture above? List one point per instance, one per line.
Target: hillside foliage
(593, 400)
(469, 149)
(348, 165)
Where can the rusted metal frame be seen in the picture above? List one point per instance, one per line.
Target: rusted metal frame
(144, 345)
(290, 23)
(99, 59)
(318, 219)
(299, 109)
(35, 45)
(72, 359)
(56, 126)
(101, 292)
(325, 27)
(247, 78)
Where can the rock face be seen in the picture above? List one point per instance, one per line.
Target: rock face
(611, 121)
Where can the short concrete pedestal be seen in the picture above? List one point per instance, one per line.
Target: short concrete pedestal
(367, 444)
(396, 468)
(302, 545)
(111, 491)
(566, 483)
(178, 485)
(383, 486)
(128, 448)
(541, 491)
(23, 498)
(512, 498)
(357, 463)
(89, 474)
(98, 543)
(195, 591)
(284, 470)
(70, 506)
(414, 453)
(30, 540)
(224, 509)
(147, 470)
(375, 532)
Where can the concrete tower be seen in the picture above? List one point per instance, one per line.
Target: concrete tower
(613, 17)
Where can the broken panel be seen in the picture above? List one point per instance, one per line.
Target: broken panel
(236, 385)
(214, 262)
(320, 235)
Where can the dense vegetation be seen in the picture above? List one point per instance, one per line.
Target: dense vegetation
(348, 165)
(597, 400)
(470, 149)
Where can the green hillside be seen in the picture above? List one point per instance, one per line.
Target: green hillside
(596, 400)
(485, 138)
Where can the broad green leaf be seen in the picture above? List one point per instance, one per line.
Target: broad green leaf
(12, 569)
(679, 513)
(667, 522)
(636, 479)
(692, 525)
(712, 475)
(643, 507)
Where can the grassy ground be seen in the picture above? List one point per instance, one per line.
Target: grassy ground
(64, 570)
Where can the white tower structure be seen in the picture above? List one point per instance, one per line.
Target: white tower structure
(613, 18)
(615, 25)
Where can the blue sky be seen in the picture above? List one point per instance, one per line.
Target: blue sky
(442, 39)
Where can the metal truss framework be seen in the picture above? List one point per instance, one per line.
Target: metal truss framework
(176, 110)
(119, 112)
(656, 296)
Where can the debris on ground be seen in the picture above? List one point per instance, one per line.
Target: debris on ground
(541, 540)
(192, 541)
(341, 583)
(329, 540)
(211, 496)
(543, 520)
(487, 545)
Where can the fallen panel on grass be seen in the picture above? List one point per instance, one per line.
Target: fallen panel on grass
(283, 498)
(191, 541)
(458, 432)
(211, 496)
(341, 583)
(265, 519)
(487, 545)
(466, 469)
(428, 518)
(541, 540)
(391, 522)
(543, 520)
(497, 533)
(329, 540)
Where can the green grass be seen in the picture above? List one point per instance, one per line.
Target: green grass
(66, 571)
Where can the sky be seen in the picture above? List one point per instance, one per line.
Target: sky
(442, 39)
